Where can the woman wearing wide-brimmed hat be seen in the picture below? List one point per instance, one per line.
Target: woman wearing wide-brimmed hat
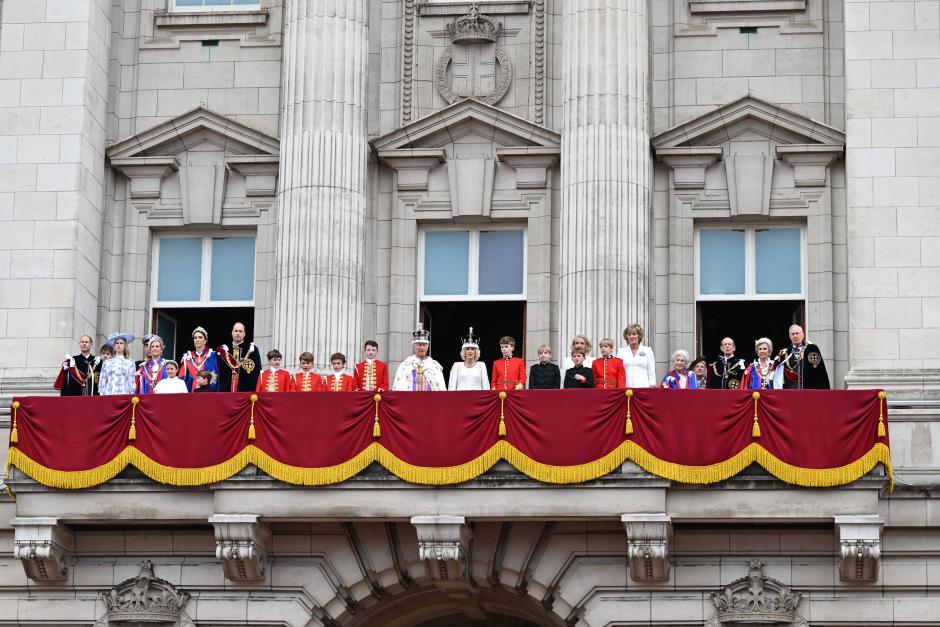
(117, 373)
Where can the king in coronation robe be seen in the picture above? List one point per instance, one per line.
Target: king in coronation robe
(419, 372)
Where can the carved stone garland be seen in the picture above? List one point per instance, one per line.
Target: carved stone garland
(756, 600)
(145, 599)
(474, 28)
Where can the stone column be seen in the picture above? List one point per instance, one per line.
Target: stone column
(605, 165)
(319, 267)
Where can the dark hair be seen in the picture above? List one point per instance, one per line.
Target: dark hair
(306, 356)
(507, 339)
(274, 353)
(338, 356)
(700, 358)
(107, 348)
(370, 343)
(204, 374)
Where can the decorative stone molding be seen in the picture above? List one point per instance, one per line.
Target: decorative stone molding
(444, 546)
(539, 61)
(413, 166)
(756, 600)
(474, 27)
(260, 172)
(689, 164)
(705, 17)
(408, 60)
(145, 599)
(243, 543)
(749, 179)
(479, 33)
(810, 162)
(531, 164)
(43, 546)
(745, 6)
(648, 540)
(859, 547)
(145, 174)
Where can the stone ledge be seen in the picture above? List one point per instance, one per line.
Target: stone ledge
(745, 6)
(201, 19)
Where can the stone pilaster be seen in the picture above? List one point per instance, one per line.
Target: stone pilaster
(319, 267)
(605, 165)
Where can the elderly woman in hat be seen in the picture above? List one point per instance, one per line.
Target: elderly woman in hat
(469, 374)
(200, 358)
(117, 373)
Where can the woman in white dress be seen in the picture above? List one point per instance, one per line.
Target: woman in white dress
(469, 374)
(638, 360)
(117, 373)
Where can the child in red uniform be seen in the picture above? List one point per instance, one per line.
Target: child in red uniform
(307, 380)
(339, 381)
(608, 370)
(508, 372)
(274, 379)
(371, 374)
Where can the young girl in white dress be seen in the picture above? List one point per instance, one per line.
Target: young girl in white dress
(469, 374)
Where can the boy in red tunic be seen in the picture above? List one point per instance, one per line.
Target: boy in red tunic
(274, 379)
(371, 374)
(608, 370)
(307, 380)
(508, 372)
(339, 381)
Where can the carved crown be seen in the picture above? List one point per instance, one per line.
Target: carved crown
(474, 27)
(756, 599)
(144, 599)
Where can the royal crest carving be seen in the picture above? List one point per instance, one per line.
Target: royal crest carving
(756, 599)
(485, 70)
(145, 599)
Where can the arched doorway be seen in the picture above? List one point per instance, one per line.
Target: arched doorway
(491, 620)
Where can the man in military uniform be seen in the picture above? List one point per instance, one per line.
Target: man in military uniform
(77, 376)
(725, 372)
(240, 365)
(800, 366)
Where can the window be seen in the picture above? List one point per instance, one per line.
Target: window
(750, 263)
(214, 5)
(488, 263)
(216, 271)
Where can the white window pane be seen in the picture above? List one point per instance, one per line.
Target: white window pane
(501, 262)
(721, 261)
(180, 273)
(446, 263)
(233, 268)
(778, 261)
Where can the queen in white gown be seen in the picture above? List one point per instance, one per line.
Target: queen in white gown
(469, 374)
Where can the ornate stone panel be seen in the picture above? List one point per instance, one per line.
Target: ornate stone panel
(755, 599)
(242, 542)
(144, 600)
(648, 539)
(859, 547)
(43, 546)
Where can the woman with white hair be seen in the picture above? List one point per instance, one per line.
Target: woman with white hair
(469, 374)
(153, 369)
(680, 378)
(760, 374)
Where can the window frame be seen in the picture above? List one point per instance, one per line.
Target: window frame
(229, 8)
(750, 262)
(205, 283)
(473, 281)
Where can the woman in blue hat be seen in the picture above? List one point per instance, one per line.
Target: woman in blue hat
(117, 373)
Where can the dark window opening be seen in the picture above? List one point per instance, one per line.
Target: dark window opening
(745, 322)
(175, 325)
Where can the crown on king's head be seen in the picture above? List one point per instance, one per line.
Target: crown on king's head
(421, 336)
(470, 340)
(474, 27)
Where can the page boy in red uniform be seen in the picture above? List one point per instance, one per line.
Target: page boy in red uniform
(339, 381)
(371, 374)
(608, 370)
(307, 380)
(508, 372)
(274, 379)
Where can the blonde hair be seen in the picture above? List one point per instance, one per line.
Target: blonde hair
(633, 328)
(543, 347)
(606, 342)
(587, 343)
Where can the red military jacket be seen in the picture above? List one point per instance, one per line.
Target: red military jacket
(275, 381)
(609, 373)
(507, 373)
(308, 381)
(341, 382)
(372, 376)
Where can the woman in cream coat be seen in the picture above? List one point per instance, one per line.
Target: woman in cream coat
(638, 360)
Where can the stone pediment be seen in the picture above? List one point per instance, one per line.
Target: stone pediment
(745, 117)
(466, 118)
(191, 129)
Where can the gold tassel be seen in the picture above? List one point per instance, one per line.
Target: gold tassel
(132, 433)
(251, 425)
(755, 430)
(376, 429)
(629, 429)
(14, 433)
(502, 415)
(882, 432)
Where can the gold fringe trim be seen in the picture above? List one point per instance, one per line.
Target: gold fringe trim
(809, 477)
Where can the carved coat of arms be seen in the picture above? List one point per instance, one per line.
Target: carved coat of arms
(473, 67)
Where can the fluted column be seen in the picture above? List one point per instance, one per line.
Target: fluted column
(319, 269)
(605, 165)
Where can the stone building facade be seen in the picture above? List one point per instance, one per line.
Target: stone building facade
(702, 167)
